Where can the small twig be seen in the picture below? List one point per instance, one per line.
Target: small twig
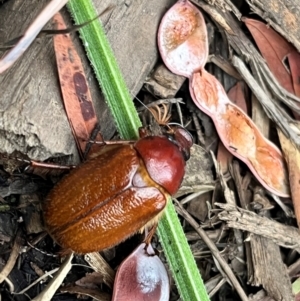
(52, 32)
(179, 113)
(42, 252)
(215, 252)
(31, 33)
(12, 258)
(192, 196)
(159, 102)
(48, 293)
(287, 211)
(285, 236)
(198, 129)
(230, 199)
(223, 64)
(97, 262)
(283, 95)
(46, 275)
(217, 287)
(282, 121)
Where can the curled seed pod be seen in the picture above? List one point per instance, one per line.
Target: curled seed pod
(182, 40)
(142, 277)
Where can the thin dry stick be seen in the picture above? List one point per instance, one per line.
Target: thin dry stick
(98, 263)
(48, 293)
(282, 121)
(46, 275)
(198, 129)
(33, 30)
(213, 249)
(282, 235)
(12, 257)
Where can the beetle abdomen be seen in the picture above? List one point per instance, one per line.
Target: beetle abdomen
(91, 183)
(103, 227)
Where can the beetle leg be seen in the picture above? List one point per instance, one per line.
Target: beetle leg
(95, 137)
(43, 169)
(114, 142)
(150, 234)
(36, 164)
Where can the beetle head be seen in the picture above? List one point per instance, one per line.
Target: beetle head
(181, 138)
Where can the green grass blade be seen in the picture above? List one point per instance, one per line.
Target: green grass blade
(106, 69)
(181, 260)
(99, 52)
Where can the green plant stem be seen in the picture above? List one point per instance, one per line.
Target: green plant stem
(106, 69)
(173, 240)
(181, 260)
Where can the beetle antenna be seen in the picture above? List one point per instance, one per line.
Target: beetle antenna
(155, 116)
(135, 97)
(161, 116)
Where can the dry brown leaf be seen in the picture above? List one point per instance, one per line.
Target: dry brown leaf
(74, 86)
(274, 48)
(294, 62)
